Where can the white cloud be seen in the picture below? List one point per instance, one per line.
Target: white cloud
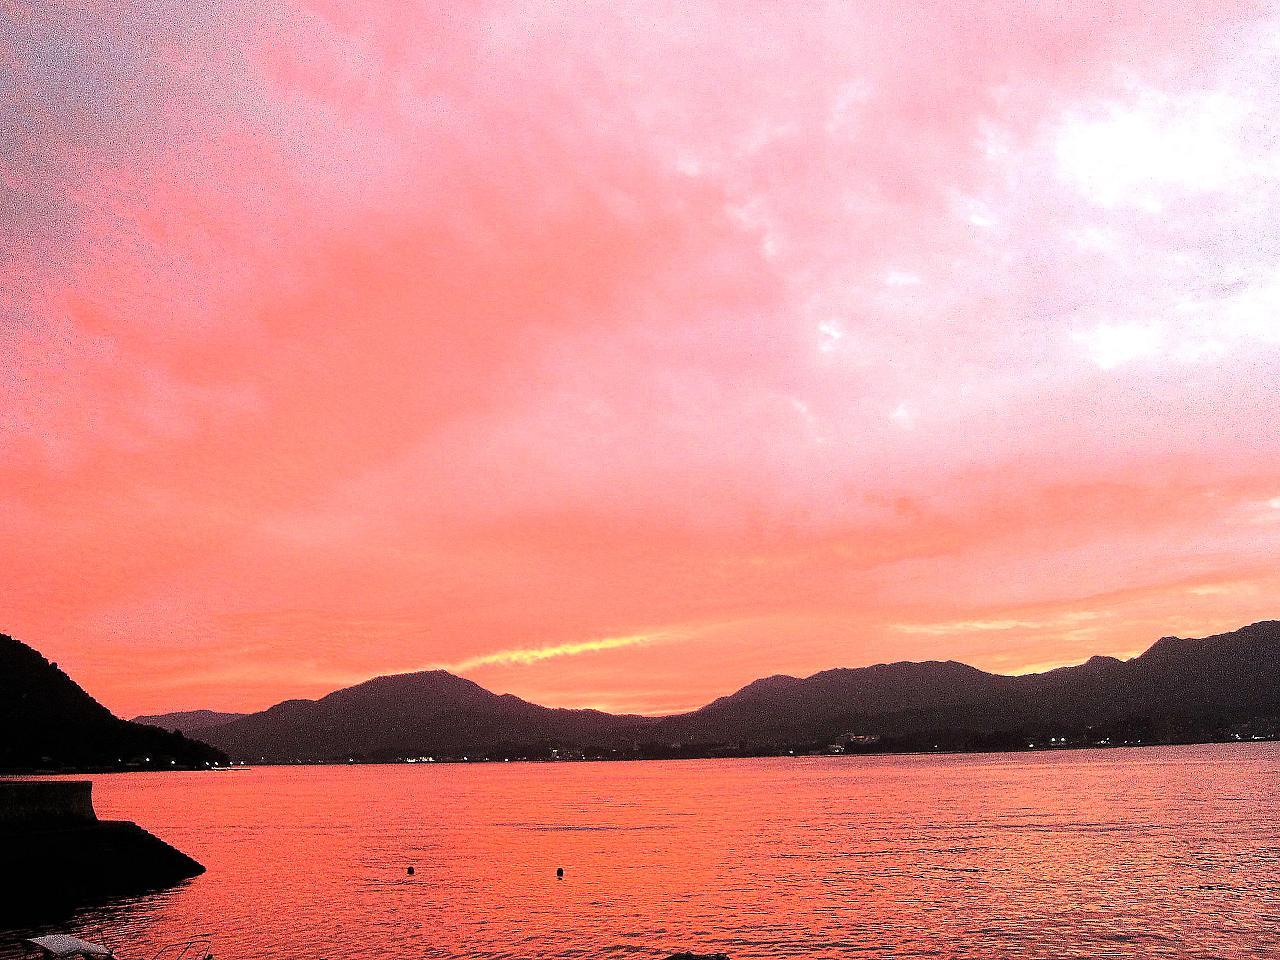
(1249, 313)
(1137, 153)
(832, 333)
(1245, 316)
(1114, 345)
(900, 278)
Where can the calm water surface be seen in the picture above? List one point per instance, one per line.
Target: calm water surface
(1123, 853)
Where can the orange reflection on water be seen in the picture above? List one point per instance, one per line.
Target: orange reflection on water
(1127, 853)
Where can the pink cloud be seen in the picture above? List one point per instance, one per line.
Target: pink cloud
(343, 343)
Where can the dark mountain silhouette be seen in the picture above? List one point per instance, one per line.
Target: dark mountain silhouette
(1177, 691)
(787, 709)
(409, 715)
(48, 722)
(188, 721)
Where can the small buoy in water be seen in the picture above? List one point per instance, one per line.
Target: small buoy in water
(559, 873)
(410, 871)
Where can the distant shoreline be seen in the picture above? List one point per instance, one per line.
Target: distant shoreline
(870, 754)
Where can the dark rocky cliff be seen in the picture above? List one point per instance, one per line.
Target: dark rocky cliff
(47, 722)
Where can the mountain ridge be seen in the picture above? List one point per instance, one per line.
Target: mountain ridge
(188, 721)
(1177, 689)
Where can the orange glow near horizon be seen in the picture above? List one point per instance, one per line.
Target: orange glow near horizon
(617, 360)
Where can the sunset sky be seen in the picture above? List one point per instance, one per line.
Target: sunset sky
(618, 355)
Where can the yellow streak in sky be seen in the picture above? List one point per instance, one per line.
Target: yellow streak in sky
(529, 655)
(988, 626)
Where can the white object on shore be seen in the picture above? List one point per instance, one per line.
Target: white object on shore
(64, 945)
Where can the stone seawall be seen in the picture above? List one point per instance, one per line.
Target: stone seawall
(45, 801)
(55, 854)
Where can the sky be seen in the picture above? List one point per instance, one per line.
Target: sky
(616, 355)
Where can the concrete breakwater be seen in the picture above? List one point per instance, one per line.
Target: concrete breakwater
(27, 802)
(55, 853)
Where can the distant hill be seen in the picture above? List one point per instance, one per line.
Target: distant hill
(1178, 690)
(1221, 687)
(409, 715)
(188, 721)
(880, 699)
(48, 722)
